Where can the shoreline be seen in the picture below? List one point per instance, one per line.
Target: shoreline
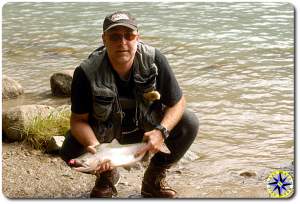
(29, 173)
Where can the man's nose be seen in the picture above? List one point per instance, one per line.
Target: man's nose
(122, 39)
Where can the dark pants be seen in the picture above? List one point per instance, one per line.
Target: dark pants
(179, 141)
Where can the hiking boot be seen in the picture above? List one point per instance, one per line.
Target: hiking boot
(105, 184)
(154, 184)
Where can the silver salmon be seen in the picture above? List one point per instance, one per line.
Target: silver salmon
(118, 155)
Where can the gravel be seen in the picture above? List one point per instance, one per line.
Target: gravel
(30, 173)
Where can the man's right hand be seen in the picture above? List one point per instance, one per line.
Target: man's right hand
(104, 165)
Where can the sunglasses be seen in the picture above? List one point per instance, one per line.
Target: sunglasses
(117, 37)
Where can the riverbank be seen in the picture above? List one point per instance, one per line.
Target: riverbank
(29, 173)
(235, 63)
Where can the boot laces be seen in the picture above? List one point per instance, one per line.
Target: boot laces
(161, 180)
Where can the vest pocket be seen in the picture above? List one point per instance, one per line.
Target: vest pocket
(102, 107)
(104, 132)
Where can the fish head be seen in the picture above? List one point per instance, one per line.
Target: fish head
(85, 164)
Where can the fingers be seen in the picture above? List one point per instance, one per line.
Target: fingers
(154, 141)
(143, 150)
(146, 136)
(103, 166)
(91, 149)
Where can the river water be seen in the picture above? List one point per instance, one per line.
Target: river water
(234, 62)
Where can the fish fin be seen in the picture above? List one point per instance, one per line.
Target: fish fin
(127, 168)
(82, 169)
(114, 190)
(136, 166)
(115, 142)
(165, 149)
(146, 157)
(85, 172)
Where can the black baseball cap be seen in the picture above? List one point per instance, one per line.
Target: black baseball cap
(119, 18)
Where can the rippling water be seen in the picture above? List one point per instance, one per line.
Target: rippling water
(234, 61)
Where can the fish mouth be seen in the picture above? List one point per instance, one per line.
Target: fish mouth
(80, 167)
(74, 163)
(71, 162)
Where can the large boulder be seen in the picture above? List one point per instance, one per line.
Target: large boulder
(60, 83)
(10, 88)
(15, 119)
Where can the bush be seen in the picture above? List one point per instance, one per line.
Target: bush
(41, 129)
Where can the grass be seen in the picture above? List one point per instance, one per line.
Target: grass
(41, 129)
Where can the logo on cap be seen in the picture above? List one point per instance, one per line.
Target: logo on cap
(119, 16)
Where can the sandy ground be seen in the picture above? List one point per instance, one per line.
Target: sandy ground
(29, 173)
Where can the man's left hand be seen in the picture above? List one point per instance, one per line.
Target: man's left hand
(154, 139)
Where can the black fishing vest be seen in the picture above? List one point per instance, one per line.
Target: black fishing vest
(106, 117)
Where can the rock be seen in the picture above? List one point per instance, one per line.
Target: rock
(60, 83)
(10, 88)
(287, 166)
(189, 156)
(15, 119)
(55, 144)
(124, 183)
(178, 172)
(248, 174)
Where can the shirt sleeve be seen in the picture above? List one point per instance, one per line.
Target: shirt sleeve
(167, 84)
(81, 95)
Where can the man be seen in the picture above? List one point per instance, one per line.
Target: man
(127, 90)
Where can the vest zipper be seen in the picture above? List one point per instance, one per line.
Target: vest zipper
(119, 106)
(136, 121)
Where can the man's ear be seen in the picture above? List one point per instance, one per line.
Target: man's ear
(138, 37)
(103, 39)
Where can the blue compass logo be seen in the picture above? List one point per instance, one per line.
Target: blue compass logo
(280, 184)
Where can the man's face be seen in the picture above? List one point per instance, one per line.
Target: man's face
(121, 44)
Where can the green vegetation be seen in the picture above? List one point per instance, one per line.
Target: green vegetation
(41, 129)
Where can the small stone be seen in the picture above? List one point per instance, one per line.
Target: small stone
(54, 160)
(124, 183)
(248, 174)
(178, 172)
(55, 144)
(26, 153)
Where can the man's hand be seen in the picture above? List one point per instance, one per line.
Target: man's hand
(104, 165)
(154, 139)
(92, 148)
